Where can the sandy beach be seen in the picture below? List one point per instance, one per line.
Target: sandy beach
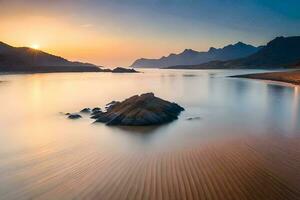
(292, 77)
(242, 168)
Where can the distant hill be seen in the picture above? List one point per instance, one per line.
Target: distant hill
(27, 60)
(280, 52)
(191, 57)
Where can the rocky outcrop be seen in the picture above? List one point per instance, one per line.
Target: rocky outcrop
(96, 109)
(124, 70)
(86, 110)
(142, 110)
(138, 110)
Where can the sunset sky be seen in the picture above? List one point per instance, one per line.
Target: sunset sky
(116, 32)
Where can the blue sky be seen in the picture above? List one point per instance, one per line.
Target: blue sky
(154, 28)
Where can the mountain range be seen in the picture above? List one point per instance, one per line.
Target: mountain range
(282, 52)
(28, 60)
(192, 57)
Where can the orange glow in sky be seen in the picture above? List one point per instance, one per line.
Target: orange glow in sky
(103, 42)
(116, 33)
(75, 41)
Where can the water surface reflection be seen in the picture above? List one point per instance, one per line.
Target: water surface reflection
(225, 105)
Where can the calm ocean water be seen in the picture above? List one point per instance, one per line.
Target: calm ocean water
(33, 131)
(30, 107)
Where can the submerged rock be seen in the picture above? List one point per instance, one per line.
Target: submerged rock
(142, 110)
(74, 116)
(193, 118)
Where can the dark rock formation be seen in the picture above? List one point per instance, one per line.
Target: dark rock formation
(96, 109)
(111, 104)
(142, 110)
(105, 70)
(86, 110)
(74, 116)
(96, 115)
(96, 112)
(123, 70)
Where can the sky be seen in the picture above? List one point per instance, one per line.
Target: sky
(117, 32)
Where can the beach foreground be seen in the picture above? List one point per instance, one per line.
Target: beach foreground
(242, 168)
(292, 77)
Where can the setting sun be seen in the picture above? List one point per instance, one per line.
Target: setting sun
(35, 46)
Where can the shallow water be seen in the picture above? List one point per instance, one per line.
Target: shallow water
(38, 144)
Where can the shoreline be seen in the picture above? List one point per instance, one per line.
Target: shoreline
(105, 70)
(53, 72)
(289, 77)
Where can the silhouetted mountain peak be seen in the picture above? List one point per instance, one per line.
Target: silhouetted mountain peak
(236, 46)
(240, 44)
(172, 54)
(284, 41)
(25, 59)
(279, 52)
(4, 45)
(212, 49)
(279, 38)
(190, 56)
(189, 51)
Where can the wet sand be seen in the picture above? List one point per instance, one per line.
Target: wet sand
(249, 167)
(292, 77)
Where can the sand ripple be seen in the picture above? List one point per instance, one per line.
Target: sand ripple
(244, 168)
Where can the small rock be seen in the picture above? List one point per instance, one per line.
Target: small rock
(193, 118)
(74, 116)
(86, 110)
